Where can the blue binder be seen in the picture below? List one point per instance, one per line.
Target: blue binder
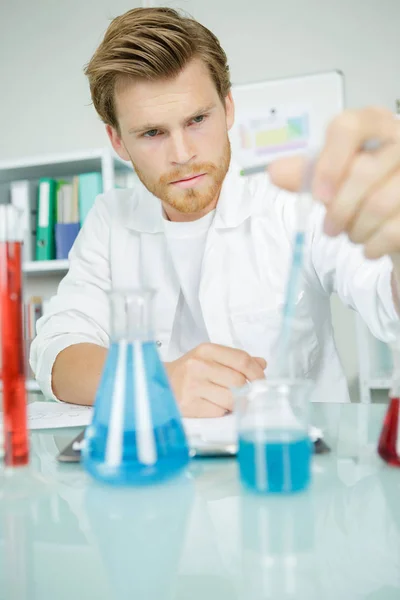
(66, 234)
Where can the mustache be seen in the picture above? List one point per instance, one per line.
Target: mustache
(183, 173)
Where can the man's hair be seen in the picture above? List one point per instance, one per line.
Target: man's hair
(150, 44)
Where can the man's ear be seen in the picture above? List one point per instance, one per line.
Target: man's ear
(229, 110)
(117, 143)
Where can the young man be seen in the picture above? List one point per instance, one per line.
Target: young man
(214, 245)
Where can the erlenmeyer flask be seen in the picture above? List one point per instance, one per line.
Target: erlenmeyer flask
(136, 436)
(389, 441)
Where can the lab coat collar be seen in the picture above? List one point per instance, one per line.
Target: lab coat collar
(234, 205)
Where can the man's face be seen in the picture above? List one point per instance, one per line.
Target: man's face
(175, 132)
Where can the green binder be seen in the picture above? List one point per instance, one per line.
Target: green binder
(47, 201)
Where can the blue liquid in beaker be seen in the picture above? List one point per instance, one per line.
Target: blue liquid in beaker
(131, 470)
(275, 462)
(168, 440)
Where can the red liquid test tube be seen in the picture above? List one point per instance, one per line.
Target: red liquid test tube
(389, 440)
(16, 445)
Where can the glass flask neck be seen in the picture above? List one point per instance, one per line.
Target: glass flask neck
(131, 313)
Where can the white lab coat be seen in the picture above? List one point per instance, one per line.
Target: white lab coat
(244, 272)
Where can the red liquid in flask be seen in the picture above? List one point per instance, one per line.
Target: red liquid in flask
(389, 442)
(13, 364)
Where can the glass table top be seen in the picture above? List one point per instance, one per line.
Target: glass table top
(203, 536)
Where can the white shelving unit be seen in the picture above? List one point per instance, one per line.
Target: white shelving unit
(41, 278)
(45, 266)
(374, 362)
(31, 386)
(67, 164)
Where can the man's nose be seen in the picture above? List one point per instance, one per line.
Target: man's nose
(181, 150)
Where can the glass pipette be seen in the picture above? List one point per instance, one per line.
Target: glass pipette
(280, 366)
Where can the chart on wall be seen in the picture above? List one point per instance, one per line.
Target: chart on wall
(283, 117)
(273, 133)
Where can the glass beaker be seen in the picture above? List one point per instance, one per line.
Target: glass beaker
(389, 440)
(274, 445)
(12, 362)
(136, 436)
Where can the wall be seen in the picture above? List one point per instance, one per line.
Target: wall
(44, 44)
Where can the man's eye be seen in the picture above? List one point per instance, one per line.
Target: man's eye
(198, 119)
(151, 133)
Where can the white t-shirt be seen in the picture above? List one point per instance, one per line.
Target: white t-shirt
(187, 242)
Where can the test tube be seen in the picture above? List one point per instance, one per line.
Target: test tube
(16, 449)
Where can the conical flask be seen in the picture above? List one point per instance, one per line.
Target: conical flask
(136, 436)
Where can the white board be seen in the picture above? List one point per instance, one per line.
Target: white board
(284, 116)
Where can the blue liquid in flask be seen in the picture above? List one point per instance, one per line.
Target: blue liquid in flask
(137, 435)
(275, 462)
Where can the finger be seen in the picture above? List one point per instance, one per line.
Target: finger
(287, 173)
(218, 395)
(385, 241)
(202, 408)
(345, 137)
(366, 173)
(376, 209)
(238, 360)
(261, 361)
(221, 375)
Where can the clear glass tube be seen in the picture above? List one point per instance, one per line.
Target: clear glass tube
(12, 362)
(136, 435)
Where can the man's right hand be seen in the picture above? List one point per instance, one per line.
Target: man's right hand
(202, 378)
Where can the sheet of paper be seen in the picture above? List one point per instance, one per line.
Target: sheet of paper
(53, 415)
(49, 415)
(222, 429)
